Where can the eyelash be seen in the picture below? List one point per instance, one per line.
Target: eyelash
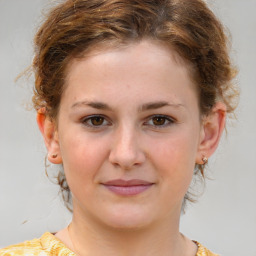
(88, 119)
(164, 118)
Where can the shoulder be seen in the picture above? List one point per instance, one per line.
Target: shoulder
(203, 251)
(32, 248)
(47, 245)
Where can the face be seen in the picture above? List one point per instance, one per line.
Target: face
(129, 134)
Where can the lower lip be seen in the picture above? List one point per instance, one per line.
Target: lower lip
(128, 190)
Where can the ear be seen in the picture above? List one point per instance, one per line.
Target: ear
(49, 131)
(211, 131)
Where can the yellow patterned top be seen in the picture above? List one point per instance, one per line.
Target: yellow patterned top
(49, 245)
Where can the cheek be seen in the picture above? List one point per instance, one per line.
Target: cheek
(82, 157)
(174, 157)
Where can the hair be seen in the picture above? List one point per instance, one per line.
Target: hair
(190, 28)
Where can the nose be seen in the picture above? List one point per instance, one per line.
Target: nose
(126, 151)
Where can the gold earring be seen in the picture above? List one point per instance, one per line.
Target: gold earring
(204, 159)
(54, 155)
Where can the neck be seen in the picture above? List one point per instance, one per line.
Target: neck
(162, 238)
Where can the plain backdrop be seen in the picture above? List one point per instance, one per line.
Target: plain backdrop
(224, 219)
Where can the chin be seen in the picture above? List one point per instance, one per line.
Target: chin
(127, 218)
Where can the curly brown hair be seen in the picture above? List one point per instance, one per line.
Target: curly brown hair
(75, 27)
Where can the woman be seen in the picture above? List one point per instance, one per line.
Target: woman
(131, 98)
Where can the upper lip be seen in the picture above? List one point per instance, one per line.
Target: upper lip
(127, 183)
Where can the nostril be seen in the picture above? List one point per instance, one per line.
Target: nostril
(126, 159)
(126, 151)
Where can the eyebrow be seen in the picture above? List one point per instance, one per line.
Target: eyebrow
(93, 104)
(144, 107)
(159, 104)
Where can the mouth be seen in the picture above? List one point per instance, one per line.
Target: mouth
(127, 187)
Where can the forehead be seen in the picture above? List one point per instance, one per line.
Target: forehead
(127, 78)
(133, 49)
(143, 67)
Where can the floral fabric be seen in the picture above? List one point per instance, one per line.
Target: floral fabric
(49, 245)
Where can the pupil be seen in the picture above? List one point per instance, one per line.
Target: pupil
(97, 120)
(159, 120)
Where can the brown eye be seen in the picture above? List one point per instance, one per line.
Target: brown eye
(159, 120)
(97, 120)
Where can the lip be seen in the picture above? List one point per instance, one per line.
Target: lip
(127, 187)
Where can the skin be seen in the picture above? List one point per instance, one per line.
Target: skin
(148, 127)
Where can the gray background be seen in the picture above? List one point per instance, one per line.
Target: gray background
(224, 219)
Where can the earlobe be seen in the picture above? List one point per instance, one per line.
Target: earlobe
(48, 129)
(212, 128)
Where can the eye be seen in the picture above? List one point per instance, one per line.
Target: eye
(160, 121)
(95, 121)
